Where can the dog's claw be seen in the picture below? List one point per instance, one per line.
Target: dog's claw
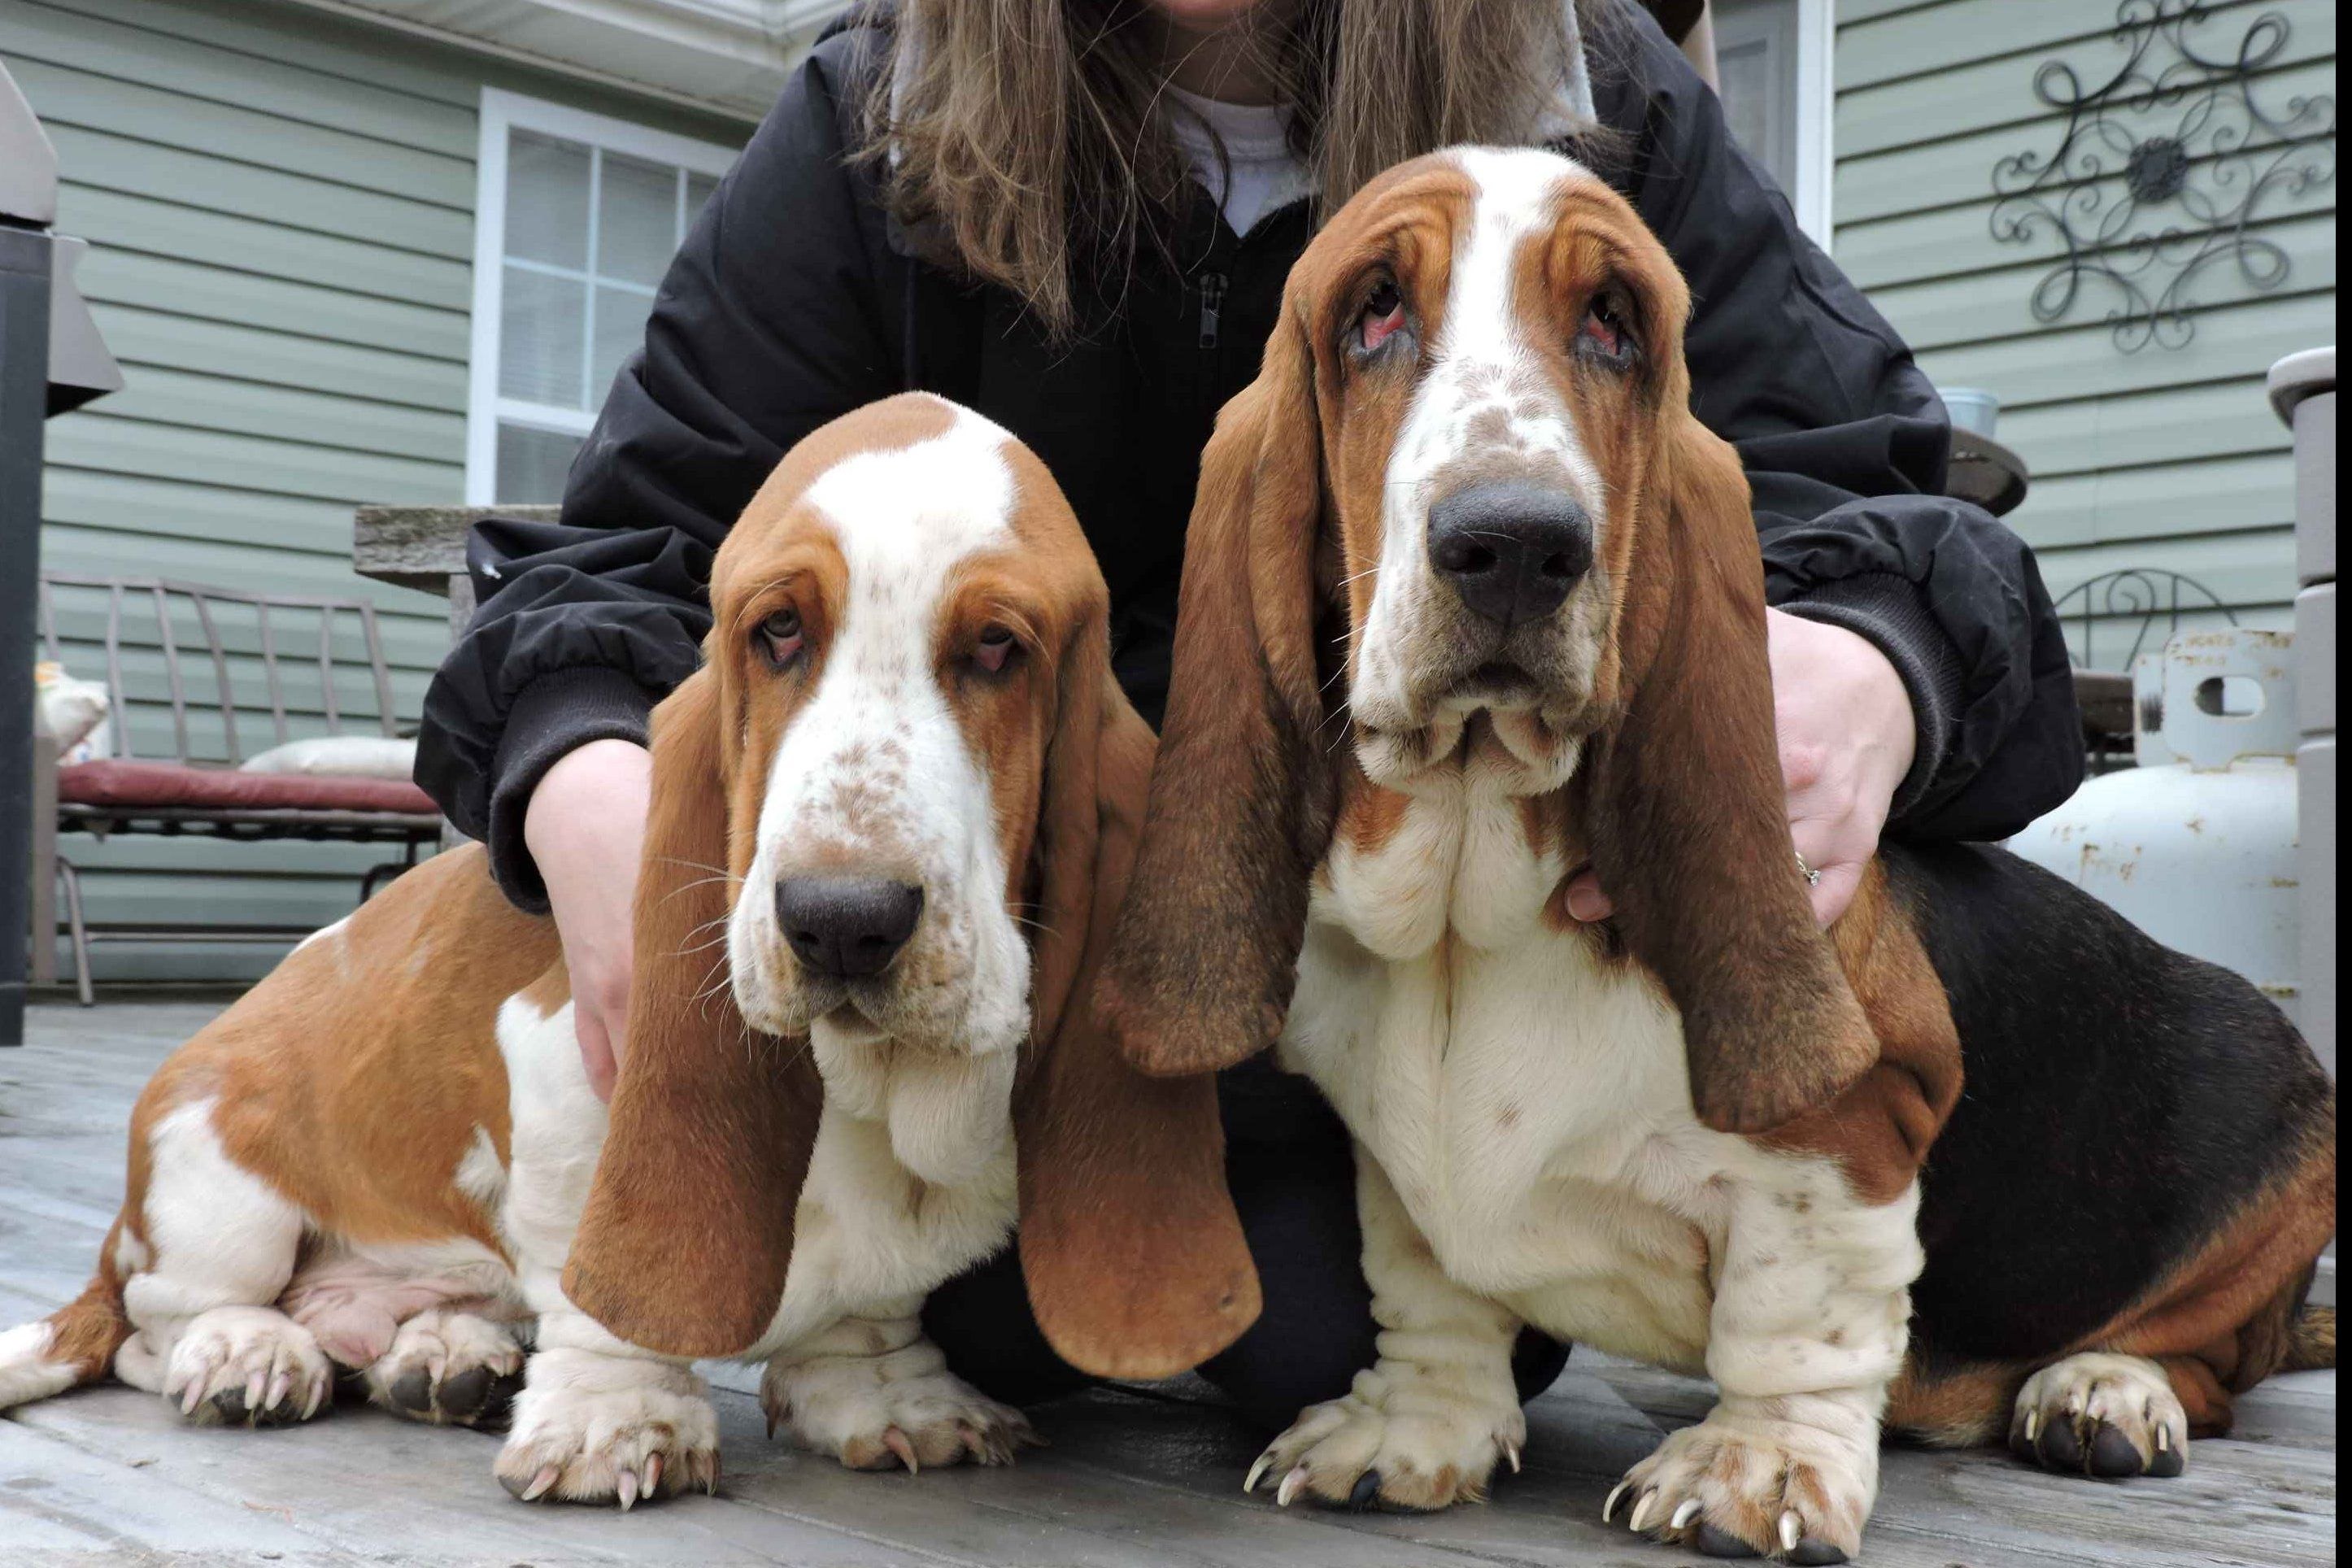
(1609, 1507)
(1642, 1506)
(1257, 1473)
(652, 1474)
(896, 1441)
(1791, 1530)
(540, 1483)
(1511, 1452)
(1685, 1514)
(626, 1488)
(1292, 1485)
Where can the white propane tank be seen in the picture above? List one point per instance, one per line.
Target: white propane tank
(2196, 845)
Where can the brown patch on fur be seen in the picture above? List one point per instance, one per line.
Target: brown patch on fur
(1370, 816)
(1957, 1409)
(399, 1008)
(1880, 1128)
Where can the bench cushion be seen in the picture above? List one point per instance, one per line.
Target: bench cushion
(119, 781)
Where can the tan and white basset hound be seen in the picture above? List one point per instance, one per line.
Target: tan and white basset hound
(1471, 602)
(890, 818)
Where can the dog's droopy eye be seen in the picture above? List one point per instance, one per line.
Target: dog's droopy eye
(996, 648)
(1604, 327)
(1384, 313)
(779, 638)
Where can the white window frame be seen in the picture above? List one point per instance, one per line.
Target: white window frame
(503, 113)
(1812, 103)
(1816, 120)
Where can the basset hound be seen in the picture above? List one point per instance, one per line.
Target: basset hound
(1472, 601)
(891, 816)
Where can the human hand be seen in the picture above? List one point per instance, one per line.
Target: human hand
(585, 826)
(1847, 736)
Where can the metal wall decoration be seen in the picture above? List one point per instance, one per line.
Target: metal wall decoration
(2166, 169)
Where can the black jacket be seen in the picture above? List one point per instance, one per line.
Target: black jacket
(795, 299)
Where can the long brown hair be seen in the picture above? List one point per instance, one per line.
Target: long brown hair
(1029, 137)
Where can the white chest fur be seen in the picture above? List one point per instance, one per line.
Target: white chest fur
(1524, 1092)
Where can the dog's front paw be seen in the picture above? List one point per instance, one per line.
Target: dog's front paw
(448, 1367)
(596, 1428)
(1752, 1484)
(902, 1409)
(1409, 1441)
(2103, 1416)
(248, 1366)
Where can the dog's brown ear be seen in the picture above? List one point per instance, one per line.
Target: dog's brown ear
(1135, 1258)
(1201, 975)
(1686, 807)
(688, 1227)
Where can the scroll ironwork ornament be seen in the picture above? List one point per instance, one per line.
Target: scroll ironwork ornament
(2166, 170)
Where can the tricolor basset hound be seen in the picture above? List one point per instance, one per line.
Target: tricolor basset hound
(1472, 601)
(890, 818)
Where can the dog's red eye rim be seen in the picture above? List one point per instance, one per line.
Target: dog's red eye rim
(1604, 326)
(780, 636)
(995, 648)
(1383, 315)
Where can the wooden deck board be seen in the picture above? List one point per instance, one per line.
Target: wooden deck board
(1133, 1478)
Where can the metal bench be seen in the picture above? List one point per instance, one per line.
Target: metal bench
(195, 788)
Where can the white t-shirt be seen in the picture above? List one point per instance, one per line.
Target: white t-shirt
(1265, 173)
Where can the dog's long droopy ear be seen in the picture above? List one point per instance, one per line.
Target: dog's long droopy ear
(1686, 811)
(1201, 975)
(688, 1227)
(1135, 1259)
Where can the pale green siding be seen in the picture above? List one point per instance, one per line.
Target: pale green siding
(2164, 457)
(279, 206)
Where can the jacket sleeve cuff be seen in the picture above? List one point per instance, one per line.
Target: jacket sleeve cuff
(1890, 611)
(555, 714)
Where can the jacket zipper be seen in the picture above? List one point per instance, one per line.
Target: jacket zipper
(1213, 301)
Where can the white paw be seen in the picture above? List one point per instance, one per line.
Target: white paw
(904, 1408)
(250, 1366)
(449, 1368)
(1750, 1482)
(1407, 1436)
(2103, 1416)
(599, 1428)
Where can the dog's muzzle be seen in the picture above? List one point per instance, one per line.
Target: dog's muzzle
(1511, 551)
(846, 928)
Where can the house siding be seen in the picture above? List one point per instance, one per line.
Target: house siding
(2165, 458)
(280, 208)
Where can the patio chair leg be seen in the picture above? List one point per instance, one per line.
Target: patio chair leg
(72, 878)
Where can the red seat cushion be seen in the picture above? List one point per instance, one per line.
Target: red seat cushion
(124, 782)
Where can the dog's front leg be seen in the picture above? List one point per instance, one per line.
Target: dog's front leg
(872, 1391)
(1810, 1325)
(1424, 1425)
(599, 1420)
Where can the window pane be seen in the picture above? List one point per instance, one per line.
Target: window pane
(532, 465)
(637, 219)
(620, 331)
(541, 335)
(698, 188)
(547, 200)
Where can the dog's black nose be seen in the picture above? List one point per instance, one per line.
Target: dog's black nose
(846, 927)
(1512, 550)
